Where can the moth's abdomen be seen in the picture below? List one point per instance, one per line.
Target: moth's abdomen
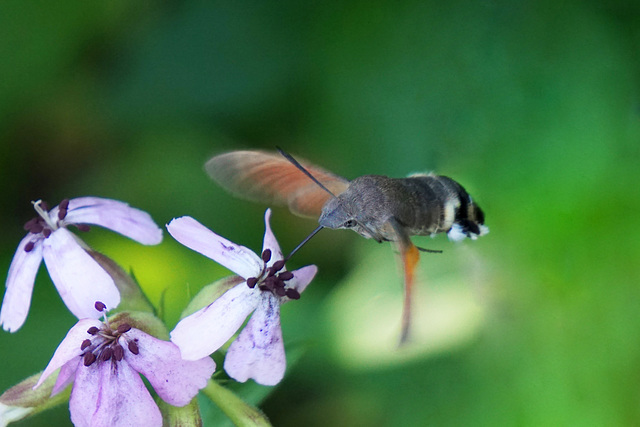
(443, 205)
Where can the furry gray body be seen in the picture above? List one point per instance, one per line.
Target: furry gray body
(420, 204)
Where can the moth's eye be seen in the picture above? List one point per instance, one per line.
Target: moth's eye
(350, 223)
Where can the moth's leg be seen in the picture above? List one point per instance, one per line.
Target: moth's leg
(409, 256)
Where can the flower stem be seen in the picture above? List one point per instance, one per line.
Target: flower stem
(239, 412)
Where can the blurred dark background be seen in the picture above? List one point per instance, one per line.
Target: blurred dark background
(532, 105)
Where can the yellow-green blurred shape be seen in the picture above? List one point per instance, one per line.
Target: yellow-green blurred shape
(365, 311)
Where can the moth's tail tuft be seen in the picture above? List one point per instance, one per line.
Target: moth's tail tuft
(469, 223)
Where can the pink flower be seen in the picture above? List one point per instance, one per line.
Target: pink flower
(258, 352)
(104, 364)
(79, 279)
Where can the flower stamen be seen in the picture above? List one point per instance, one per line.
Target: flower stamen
(42, 210)
(271, 280)
(104, 343)
(43, 224)
(63, 207)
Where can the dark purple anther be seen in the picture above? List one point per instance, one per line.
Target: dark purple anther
(64, 204)
(100, 306)
(93, 330)
(118, 352)
(279, 290)
(62, 213)
(29, 224)
(29, 246)
(292, 293)
(36, 228)
(285, 275)
(89, 358)
(124, 327)
(46, 232)
(270, 282)
(106, 354)
(44, 205)
(85, 344)
(251, 282)
(266, 255)
(133, 347)
(277, 266)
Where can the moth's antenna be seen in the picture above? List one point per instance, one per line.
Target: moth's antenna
(306, 239)
(302, 169)
(295, 163)
(431, 251)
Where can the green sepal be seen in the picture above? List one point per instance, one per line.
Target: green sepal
(22, 401)
(146, 322)
(185, 416)
(131, 296)
(210, 293)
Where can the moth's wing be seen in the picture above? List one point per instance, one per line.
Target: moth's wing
(270, 178)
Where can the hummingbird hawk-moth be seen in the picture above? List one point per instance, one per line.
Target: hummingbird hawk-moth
(375, 206)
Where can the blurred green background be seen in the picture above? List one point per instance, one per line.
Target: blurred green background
(533, 106)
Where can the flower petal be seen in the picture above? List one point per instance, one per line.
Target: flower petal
(206, 330)
(22, 275)
(199, 238)
(270, 241)
(302, 277)
(85, 394)
(69, 347)
(79, 279)
(114, 215)
(111, 394)
(9, 414)
(175, 380)
(67, 375)
(258, 352)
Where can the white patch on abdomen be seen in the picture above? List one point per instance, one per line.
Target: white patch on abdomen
(450, 208)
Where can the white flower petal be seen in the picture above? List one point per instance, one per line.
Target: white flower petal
(69, 347)
(269, 241)
(9, 414)
(258, 352)
(302, 277)
(175, 380)
(206, 330)
(79, 279)
(199, 238)
(22, 274)
(67, 375)
(114, 215)
(85, 395)
(108, 394)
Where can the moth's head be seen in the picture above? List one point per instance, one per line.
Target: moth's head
(335, 215)
(339, 213)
